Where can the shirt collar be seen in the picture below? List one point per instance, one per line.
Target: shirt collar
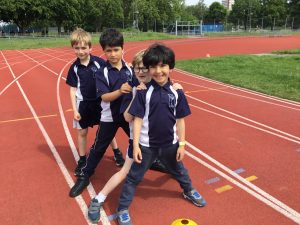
(156, 85)
(109, 66)
(78, 63)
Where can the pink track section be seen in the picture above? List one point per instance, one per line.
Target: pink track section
(235, 127)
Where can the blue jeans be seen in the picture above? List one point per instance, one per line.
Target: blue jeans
(167, 155)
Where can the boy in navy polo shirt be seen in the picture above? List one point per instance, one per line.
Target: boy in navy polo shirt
(158, 130)
(81, 79)
(112, 82)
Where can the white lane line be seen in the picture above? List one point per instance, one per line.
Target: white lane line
(58, 160)
(239, 95)
(288, 213)
(244, 118)
(104, 219)
(273, 98)
(246, 124)
(17, 78)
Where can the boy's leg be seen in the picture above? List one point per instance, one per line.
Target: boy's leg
(118, 156)
(180, 173)
(105, 133)
(82, 136)
(104, 136)
(135, 176)
(176, 169)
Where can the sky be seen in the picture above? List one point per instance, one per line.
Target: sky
(194, 2)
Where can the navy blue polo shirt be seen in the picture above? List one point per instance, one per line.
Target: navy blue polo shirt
(109, 79)
(159, 106)
(83, 78)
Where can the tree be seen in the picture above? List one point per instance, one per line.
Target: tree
(65, 13)
(216, 13)
(274, 9)
(294, 7)
(245, 12)
(22, 12)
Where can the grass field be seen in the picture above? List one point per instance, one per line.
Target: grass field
(30, 42)
(273, 75)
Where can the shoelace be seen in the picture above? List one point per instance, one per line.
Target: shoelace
(124, 217)
(196, 195)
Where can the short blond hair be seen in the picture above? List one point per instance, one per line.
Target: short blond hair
(138, 58)
(80, 35)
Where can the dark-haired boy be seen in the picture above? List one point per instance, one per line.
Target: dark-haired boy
(86, 107)
(158, 130)
(112, 82)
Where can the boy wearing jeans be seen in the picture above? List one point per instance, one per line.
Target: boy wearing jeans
(158, 130)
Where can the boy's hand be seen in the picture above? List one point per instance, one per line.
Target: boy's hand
(125, 88)
(180, 153)
(141, 86)
(77, 116)
(137, 154)
(177, 86)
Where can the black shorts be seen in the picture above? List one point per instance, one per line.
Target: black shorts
(90, 112)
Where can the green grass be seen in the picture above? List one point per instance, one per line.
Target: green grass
(50, 42)
(291, 51)
(273, 75)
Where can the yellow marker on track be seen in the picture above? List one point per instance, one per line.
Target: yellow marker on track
(184, 222)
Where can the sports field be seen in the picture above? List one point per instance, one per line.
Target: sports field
(243, 151)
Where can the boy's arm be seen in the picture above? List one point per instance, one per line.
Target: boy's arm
(111, 96)
(127, 116)
(137, 125)
(73, 101)
(181, 138)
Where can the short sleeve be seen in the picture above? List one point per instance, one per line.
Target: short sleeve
(72, 79)
(137, 107)
(182, 108)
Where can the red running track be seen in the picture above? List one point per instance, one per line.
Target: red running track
(230, 129)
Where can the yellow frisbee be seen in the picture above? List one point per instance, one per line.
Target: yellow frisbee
(184, 222)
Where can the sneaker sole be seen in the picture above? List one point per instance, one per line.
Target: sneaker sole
(94, 221)
(188, 198)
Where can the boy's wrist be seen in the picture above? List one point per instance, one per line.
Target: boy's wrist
(182, 143)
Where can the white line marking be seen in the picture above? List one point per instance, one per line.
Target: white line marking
(244, 118)
(265, 197)
(104, 219)
(246, 124)
(239, 95)
(286, 101)
(59, 161)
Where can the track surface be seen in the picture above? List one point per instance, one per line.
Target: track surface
(234, 135)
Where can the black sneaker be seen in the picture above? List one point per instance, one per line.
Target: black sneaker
(81, 183)
(118, 157)
(157, 165)
(80, 164)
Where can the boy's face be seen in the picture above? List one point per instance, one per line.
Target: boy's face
(142, 73)
(82, 50)
(113, 54)
(160, 73)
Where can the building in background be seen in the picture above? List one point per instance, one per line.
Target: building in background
(228, 4)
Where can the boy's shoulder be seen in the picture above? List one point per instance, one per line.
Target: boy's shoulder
(97, 60)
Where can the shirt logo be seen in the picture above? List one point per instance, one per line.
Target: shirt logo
(94, 69)
(172, 101)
